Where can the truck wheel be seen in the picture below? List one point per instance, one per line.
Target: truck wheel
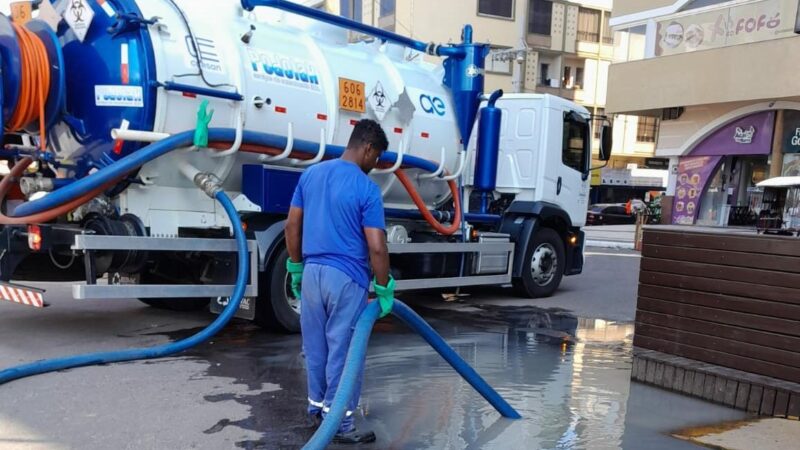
(276, 307)
(543, 265)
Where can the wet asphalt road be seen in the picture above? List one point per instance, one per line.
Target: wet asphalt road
(563, 362)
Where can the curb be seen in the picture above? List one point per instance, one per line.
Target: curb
(610, 244)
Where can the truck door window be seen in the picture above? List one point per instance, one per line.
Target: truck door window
(575, 142)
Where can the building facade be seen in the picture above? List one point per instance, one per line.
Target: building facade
(555, 47)
(719, 75)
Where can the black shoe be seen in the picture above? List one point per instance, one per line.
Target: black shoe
(354, 437)
(315, 420)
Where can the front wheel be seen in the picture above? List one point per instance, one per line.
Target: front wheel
(543, 265)
(276, 307)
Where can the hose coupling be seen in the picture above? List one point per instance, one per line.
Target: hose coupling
(208, 183)
(32, 185)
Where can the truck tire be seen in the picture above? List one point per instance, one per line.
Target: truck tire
(543, 265)
(276, 307)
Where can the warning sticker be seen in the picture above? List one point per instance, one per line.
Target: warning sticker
(79, 16)
(122, 96)
(351, 95)
(379, 102)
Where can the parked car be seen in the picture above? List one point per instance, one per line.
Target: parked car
(608, 214)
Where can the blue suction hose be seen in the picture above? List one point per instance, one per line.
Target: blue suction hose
(354, 364)
(70, 362)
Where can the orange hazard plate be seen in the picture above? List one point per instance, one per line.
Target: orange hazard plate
(351, 95)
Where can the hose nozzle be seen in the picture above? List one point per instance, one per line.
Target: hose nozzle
(208, 183)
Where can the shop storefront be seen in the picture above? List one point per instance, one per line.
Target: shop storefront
(716, 181)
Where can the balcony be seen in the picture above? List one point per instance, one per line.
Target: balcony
(746, 72)
(575, 95)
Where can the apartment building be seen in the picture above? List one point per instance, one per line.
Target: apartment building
(720, 76)
(541, 46)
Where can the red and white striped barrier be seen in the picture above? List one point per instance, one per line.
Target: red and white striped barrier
(22, 295)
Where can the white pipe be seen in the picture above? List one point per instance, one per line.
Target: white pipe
(187, 169)
(397, 163)
(237, 142)
(320, 153)
(286, 151)
(439, 170)
(461, 163)
(137, 135)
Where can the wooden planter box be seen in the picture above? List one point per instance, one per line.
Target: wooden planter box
(722, 299)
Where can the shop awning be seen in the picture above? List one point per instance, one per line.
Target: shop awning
(780, 182)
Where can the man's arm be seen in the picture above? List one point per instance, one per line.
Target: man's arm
(378, 254)
(294, 234)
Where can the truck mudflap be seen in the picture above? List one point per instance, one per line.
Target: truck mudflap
(23, 295)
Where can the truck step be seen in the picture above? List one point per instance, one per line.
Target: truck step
(23, 295)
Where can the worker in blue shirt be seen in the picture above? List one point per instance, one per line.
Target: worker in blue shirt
(334, 233)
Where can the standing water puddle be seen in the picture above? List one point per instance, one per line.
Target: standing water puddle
(568, 377)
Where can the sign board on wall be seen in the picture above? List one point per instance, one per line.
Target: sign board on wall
(739, 24)
(791, 131)
(693, 175)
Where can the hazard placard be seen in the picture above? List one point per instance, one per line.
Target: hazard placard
(351, 95)
(21, 12)
(79, 15)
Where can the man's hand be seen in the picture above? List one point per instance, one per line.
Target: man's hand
(385, 295)
(296, 272)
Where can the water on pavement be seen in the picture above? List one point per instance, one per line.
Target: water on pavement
(569, 378)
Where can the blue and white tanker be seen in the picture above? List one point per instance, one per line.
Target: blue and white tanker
(120, 117)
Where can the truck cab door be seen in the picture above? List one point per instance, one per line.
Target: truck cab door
(571, 166)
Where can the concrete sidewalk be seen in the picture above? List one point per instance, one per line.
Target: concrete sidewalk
(763, 434)
(610, 236)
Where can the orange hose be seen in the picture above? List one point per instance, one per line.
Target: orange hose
(45, 216)
(34, 85)
(400, 174)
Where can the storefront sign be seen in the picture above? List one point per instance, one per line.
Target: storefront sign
(739, 24)
(791, 131)
(749, 135)
(656, 163)
(694, 173)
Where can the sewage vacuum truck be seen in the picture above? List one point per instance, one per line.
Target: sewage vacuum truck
(120, 116)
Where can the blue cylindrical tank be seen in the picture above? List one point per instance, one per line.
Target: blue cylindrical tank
(488, 145)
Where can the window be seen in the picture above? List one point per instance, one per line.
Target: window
(388, 7)
(351, 9)
(539, 16)
(544, 75)
(608, 34)
(647, 129)
(576, 132)
(497, 8)
(578, 77)
(567, 82)
(589, 25)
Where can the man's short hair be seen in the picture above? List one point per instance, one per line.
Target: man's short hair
(368, 131)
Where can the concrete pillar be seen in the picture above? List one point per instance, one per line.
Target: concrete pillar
(777, 147)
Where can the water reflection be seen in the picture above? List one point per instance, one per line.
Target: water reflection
(568, 377)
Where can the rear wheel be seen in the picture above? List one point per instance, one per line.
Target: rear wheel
(543, 265)
(277, 308)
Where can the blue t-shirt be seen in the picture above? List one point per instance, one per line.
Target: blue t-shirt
(338, 201)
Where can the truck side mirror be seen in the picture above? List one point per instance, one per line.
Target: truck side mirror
(606, 142)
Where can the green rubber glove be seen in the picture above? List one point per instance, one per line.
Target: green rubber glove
(201, 127)
(385, 295)
(296, 272)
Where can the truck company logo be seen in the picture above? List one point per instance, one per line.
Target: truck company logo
(283, 69)
(121, 96)
(209, 58)
(432, 105)
(742, 136)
